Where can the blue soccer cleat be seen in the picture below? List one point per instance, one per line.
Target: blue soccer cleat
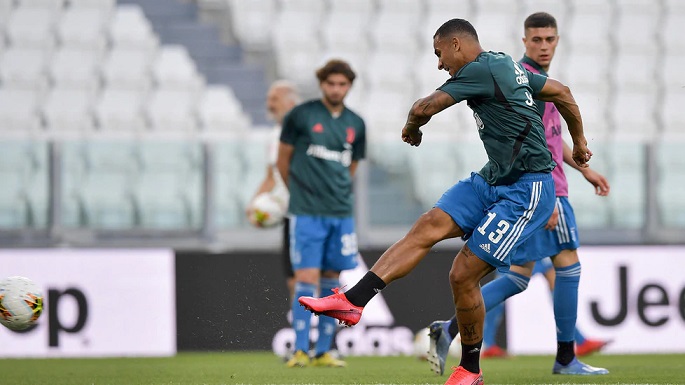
(578, 368)
(440, 341)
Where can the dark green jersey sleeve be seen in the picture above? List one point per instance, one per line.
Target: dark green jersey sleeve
(536, 82)
(473, 81)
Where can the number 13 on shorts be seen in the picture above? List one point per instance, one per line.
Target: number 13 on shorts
(496, 235)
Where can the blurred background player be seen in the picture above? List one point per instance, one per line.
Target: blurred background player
(558, 239)
(280, 99)
(322, 142)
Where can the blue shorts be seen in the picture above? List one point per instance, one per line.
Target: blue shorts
(541, 266)
(548, 243)
(326, 243)
(497, 220)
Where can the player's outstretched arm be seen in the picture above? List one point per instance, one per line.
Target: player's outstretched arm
(597, 180)
(421, 112)
(559, 94)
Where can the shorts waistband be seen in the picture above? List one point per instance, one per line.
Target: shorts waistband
(536, 176)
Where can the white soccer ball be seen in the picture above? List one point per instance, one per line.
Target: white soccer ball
(266, 210)
(422, 344)
(21, 302)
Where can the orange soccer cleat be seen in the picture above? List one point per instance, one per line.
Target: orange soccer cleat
(494, 351)
(461, 376)
(336, 306)
(590, 346)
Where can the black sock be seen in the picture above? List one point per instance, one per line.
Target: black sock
(454, 327)
(565, 353)
(470, 357)
(367, 287)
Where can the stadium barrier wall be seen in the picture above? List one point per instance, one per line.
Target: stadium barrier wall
(633, 295)
(97, 303)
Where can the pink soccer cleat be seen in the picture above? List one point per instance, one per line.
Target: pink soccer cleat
(461, 376)
(336, 306)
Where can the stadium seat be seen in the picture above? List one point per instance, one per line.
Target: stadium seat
(24, 69)
(588, 30)
(125, 69)
(172, 111)
(32, 27)
(120, 111)
(496, 30)
(19, 111)
(646, 42)
(385, 36)
(69, 110)
(672, 74)
(130, 29)
(587, 71)
(386, 111)
(558, 9)
(174, 69)
(346, 31)
(103, 5)
(252, 21)
(633, 114)
(671, 33)
(434, 167)
(593, 108)
(625, 76)
(75, 69)
(672, 112)
(360, 7)
(389, 71)
(83, 28)
(219, 110)
(298, 62)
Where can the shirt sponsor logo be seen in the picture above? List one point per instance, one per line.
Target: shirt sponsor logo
(318, 127)
(343, 157)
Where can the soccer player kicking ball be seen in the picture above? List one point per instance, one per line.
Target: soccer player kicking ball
(497, 208)
(558, 238)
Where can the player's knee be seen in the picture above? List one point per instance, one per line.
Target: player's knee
(428, 229)
(461, 279)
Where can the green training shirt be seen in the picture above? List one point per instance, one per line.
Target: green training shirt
(501, 94)
(325, 146)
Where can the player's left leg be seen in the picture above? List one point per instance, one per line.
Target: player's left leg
(567, 269)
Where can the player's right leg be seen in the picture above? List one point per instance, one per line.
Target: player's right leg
(459, 208)
(396, 262)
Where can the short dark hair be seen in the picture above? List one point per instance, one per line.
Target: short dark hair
(335, 66)
(455, 27)
(540, 20)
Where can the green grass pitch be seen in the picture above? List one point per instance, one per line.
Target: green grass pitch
(265, 368)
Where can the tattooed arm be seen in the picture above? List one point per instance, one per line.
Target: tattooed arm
(421, 112)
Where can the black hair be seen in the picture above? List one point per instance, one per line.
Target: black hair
(455, 27)
(540, 20)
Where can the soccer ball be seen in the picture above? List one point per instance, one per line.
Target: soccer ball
(266, 210)
(21, 303)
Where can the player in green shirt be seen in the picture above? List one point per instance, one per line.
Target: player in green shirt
(496, 209)
(322, 142)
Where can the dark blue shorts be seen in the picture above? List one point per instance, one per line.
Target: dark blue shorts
(326, 243)
(497, 220)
